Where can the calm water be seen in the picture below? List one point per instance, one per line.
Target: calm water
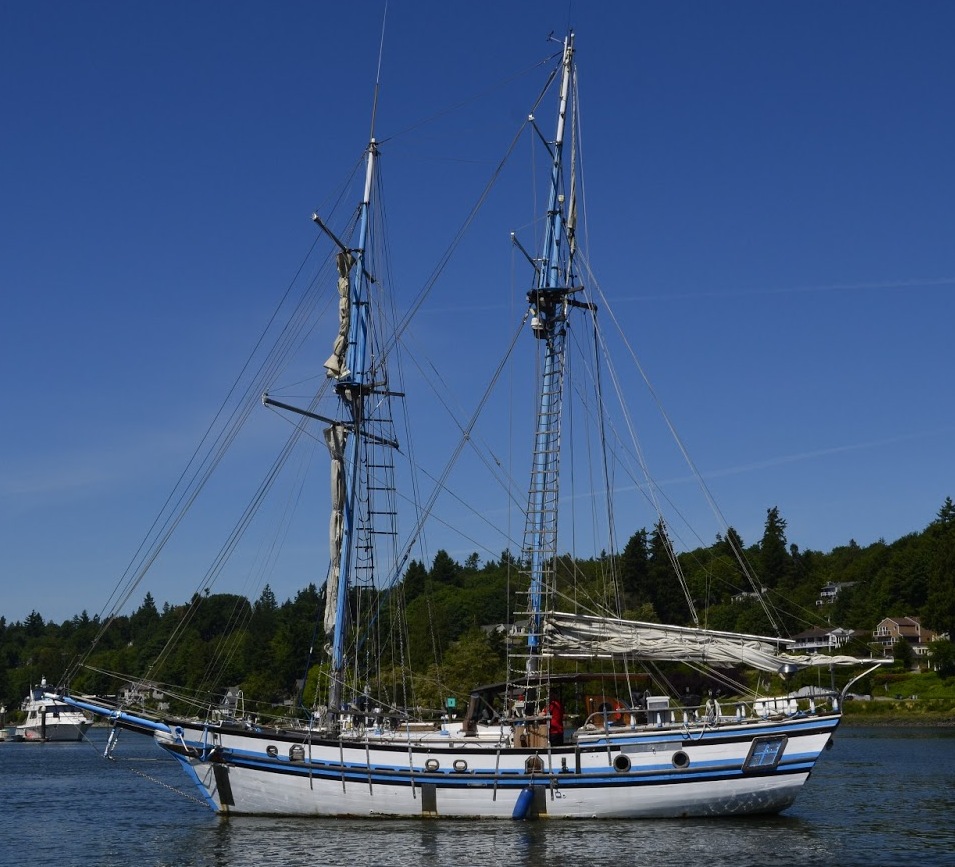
(879, 796)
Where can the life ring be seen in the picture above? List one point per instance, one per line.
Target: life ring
(605, 710)
(611, 711)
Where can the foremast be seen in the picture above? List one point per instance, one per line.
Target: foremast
(349, 365)
(550, 301)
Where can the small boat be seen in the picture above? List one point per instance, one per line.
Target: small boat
(49, 719)
(637, 748)
(6, 732)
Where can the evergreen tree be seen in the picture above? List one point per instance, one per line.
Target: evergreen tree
(666, 594)
(415, 580)
(635, 570)
(145, 620)
(34, 625)
(774, 558)
(939, 612)
(903, 654)
(942, 657)
(444, 570)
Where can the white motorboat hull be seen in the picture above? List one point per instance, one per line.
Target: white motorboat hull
(53, 731)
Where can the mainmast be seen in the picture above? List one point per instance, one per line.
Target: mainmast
(550, 301)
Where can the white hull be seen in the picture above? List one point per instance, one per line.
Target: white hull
(53, 731)
(631, 774)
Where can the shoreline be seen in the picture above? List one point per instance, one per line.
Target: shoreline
(941, 720)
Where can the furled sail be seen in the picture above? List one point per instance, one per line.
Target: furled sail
(335, 441)
(335, 365)
(586, 636)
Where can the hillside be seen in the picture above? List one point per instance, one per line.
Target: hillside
(264, 646)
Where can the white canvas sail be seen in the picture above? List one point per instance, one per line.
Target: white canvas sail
(335, 364)
(335, 441)
(586, 636)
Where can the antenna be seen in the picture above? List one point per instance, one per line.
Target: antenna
(381, 51)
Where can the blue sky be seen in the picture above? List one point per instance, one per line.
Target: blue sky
(772, 197)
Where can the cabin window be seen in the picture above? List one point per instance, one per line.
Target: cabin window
(296, 753)
(621, 763)
(271, 751)
(765, 753)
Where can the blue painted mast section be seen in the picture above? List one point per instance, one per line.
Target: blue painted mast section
(352, 389)
(549, 306)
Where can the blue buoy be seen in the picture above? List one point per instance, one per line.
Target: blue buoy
(523, 806)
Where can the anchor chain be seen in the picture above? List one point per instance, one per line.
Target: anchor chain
(108, 755)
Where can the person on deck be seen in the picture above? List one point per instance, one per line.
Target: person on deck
(556, 711)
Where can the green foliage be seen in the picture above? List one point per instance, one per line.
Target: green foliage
(939, 611)
(776, 566)
(903, 655)
(664, 592)
(941, 656)
(474, 659)
(440, 614)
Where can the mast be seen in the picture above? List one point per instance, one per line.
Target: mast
(549, 303)
(343, 438)
(363, 415)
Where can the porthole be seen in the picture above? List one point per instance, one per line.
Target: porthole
(460, 765)
(296, 753)
(432, 765)
(621, 763)
(533, 765)
(272, 751)
(681, 760)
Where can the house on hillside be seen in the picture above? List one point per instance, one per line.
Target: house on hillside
(821, 640)
(830, 591)
(748, 596)
(892, 629)
(143, 693)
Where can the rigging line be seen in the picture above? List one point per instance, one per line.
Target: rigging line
(242, 614)
(480, 516)
(399, 372)
(637, 485)
(280, 350)
(669, 423)
(652, 488)
(472, 214)
(240, 415)
(452, 461)
(601, 418)
(455, 241)
(381, 51)
(470, 100)
(493, 464)
(642, 489)
(227, 548)
(142, 560)
(131, 577)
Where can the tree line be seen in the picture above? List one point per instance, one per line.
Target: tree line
(448, 611)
